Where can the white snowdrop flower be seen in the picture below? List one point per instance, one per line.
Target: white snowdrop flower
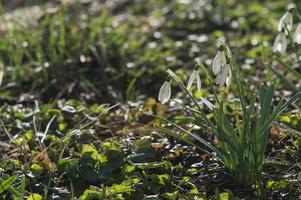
(297, 34)
(165, 92)
(194, 77)
(280, 43)
(286, 22)
(219, 61)
(224, 76)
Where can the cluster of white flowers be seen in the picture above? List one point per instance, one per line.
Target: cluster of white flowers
(220, 68)
(285, 28)
(165, 90)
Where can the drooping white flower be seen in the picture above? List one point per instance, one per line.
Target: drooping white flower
(224, 76)
(286, 22)
(194, 77)
(297, 34)
(219, 61)
(280, 43)
(165, 92)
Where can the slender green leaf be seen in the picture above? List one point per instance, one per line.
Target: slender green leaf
(7, 183)
(288, 68)
(284, 80)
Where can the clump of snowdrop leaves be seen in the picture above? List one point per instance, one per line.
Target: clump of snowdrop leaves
(280, 43)
(221, 68)
(194, 77)
(165, 92)
(242, 148)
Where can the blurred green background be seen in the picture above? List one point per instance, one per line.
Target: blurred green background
(115, 51)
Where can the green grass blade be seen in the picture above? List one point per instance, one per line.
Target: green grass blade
(284, 80)
(288, 68)
(23, 185)
(7, 183)
(266, 96)
(201, 140)
(291, 101)
(171, 133)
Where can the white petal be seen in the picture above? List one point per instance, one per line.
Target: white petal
(218, 62)
(215, 64)
(228, 81)
(276, 43)
(281, 22)
(297, 34)
(218, 79)
(223, 60)
(280, 43)
(198, 81)
(286, 20)
(165, 92)
(289, 22)
(191, 79)
(222, 75)
(283, 41)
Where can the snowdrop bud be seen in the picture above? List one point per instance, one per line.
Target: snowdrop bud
(194, 77)
(297, 34)
(286, 21)
(165, 92)
(219, 61)
(280, 43)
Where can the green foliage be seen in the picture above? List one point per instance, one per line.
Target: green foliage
(61, 60)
